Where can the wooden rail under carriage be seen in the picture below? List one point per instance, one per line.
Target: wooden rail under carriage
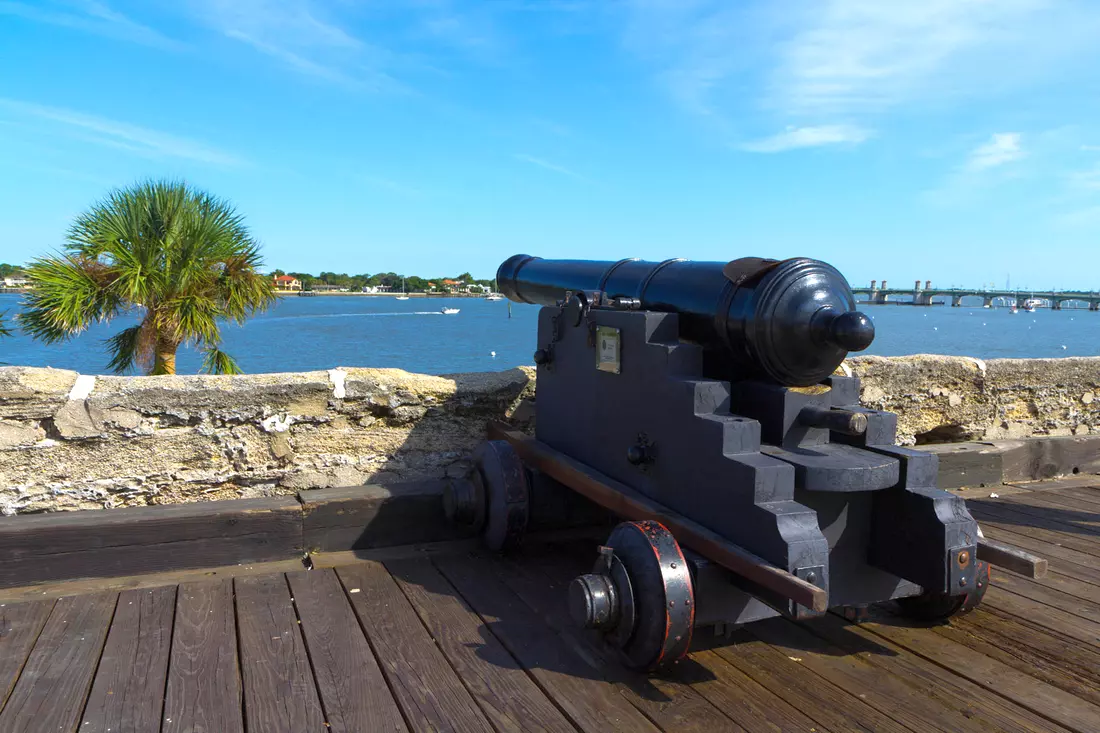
(466, 642)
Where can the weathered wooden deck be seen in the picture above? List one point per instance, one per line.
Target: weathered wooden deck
(464, 642)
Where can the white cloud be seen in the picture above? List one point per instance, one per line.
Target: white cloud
(297, 35)
(120, 135)
(1002, 148)
(808, 137)
(91, 17)
(546, 164)
(1091, 148)
(815, 59)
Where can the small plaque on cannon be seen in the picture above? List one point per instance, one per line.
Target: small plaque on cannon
(607, 349)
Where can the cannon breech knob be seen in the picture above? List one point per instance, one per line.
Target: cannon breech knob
(851, 331)
(542, 356)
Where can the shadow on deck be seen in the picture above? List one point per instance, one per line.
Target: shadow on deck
(470, 642)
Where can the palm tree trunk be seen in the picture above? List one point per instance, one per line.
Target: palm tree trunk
(165, 359)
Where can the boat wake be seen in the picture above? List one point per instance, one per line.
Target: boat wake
(311, 316)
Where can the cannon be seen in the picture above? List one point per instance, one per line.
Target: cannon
(704, 406)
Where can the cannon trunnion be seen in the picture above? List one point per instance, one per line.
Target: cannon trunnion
(699, 403)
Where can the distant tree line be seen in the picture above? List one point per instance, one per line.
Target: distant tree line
(7, 270)
(413, 283)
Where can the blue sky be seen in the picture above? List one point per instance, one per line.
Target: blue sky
(952, 140)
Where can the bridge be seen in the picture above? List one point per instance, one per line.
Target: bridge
(923, 295)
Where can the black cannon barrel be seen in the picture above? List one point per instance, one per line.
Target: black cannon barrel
(793, 321)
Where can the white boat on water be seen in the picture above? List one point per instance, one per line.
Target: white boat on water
(494, 296)
(402, 296)
(1031, 304)
(448, 311)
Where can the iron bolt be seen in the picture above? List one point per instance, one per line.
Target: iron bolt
(636, 455)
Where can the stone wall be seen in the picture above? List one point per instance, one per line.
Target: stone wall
(78, 442)
(71, 441)
(946, 399)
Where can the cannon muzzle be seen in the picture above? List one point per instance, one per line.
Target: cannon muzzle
(792, 321)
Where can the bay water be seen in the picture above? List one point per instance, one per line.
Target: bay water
(324, 332)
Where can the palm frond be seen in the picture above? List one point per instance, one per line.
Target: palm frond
(129, 348)
(69, 295)
(190, 318)
(216, 361)
(4, 331)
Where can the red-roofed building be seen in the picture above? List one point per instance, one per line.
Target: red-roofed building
(286, 282)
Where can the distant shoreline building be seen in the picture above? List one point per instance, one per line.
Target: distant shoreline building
(15, 280)
(287, 283)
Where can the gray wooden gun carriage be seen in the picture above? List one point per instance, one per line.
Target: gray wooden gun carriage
(700, 403)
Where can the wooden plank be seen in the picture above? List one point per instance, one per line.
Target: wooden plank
(204, 689)
(58, 589)
(20, 625)
(50, 693)
(1060, 596)
(831, 706)
(1047, 457)
(1089, 492)
(1085, 500)
(91, 544)
(994, 676)
(279, 693)
(429, 692)
(945, 688)
(361, 517)
(128, 692)
(353, 691)
(967, 464)
(1028, 649)
(59, 532)
(891, 696)
(1058, 537)
(541, 580)
(509, 698)
(1053, 619)
(572, 682)
(1073, 481)
(1062, 560)
(755, 708)
(1056, 520)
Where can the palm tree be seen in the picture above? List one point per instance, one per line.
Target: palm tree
(178, 254)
